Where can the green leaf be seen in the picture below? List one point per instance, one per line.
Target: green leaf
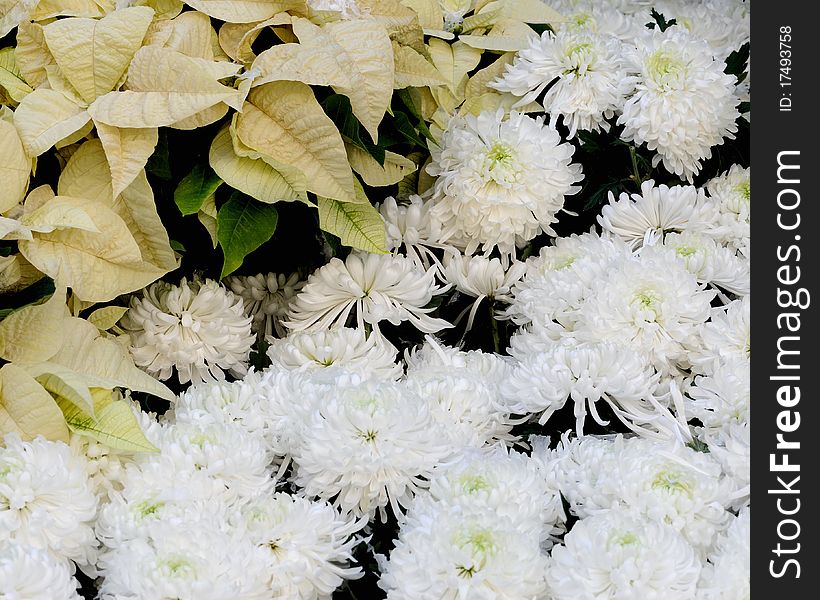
(358, 225)
(663, 24)
(736, 62)
(242, 225)
(115, 425)
(407, 100)
(338, 108)
(197, 185)
(406, 129)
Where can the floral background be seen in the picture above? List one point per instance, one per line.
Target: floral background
(374, 298)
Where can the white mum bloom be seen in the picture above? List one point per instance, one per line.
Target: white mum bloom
(657, 210)
(187, 560)
(588, 373)
(410, 226)
(197, 327)
(727, 576)
(589, 83)
(651, 303)
(351, 349)
(47, 499)
(500, 182)
(558, 280)
(434, 358)
(308, 545)
(726, 337)
(380, 287)
(675, 485)
(267, 299)
(684, 103)
(615, 555)
(501, 482)
(722, 398)
(708, 261)
(447, 555)
(731, 192)
(30, 573)
(724, 24)
(623, 19)
(367, 445)
(731, 446)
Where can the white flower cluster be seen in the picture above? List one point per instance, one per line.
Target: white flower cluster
(667, 88)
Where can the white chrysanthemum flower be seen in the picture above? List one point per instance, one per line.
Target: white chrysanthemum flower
(447, 555)
(434, 358)
(453, 12)
(623, 19)
(657, 210)
(409, 225)
(724, 24)
(500, 482)
(614, 555)
(481, 277)
(367, 445)
(267, 299)
(675, 485)
(589, 83)
(351, 349)
(308, 545)
(197, 327)
(651, 303)
(732, 194)
(684, 103)
(708, 261)
(500, 182)
(187, 560)
(105, 465)
(558, 280)
(726, 337)
(381, 287)
(346, 9)
(47, 499)
(727, 575)
(731, 446)
(723, 397)
(28, 573)
(587, 373)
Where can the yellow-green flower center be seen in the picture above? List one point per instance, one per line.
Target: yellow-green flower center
(662, 66)
(672, 481)
(473, 483)
(744, 189)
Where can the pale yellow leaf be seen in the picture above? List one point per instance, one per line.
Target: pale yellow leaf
(38, 197)
(401, 22)
(396, 167)
(27, 408)
(127, 151)
(163, 9)
(58, 213)
(526, 11)
(413, 70)
(94, 54)
(212, 114)
(243, 11)
(31, 53)
(236, 39)
(253, 177)
(33, 333)
(16, 273)
(87, 174)
(113, 422)
(454, 62)
(284, 121)
(15, 167)
(189, 34)
(61, 381)
(477, 84)
(71, 8)
(45, 117)
(363, 52)
(11, 78)
(87, 352)
(428, 11)
(492, 101)
(356, 224)
(14, 12)
(72, 138)
(97, 266)
(164, 87)
(297, 62)
(106, 317)
(498, 43)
